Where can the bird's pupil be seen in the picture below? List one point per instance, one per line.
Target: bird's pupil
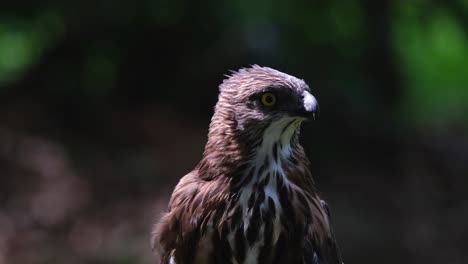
(269, 99)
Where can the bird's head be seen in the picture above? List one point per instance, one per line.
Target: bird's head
(256, 98)
(258, 115)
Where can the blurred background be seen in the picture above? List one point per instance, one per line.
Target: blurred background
(104, 105)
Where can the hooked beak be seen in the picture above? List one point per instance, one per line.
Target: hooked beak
(309, 107)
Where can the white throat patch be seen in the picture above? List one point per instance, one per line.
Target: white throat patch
(278, 132)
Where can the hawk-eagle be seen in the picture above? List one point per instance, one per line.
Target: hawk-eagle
(251, 199)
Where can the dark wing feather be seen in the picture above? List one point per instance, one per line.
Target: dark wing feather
(178, 227)
(194, 205)
(326, 252)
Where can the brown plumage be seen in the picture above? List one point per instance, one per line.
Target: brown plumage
(251, 199)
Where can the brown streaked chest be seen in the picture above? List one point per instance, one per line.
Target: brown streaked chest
(269, 213)
(269, 205)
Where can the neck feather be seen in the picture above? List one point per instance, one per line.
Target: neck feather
(275, 147)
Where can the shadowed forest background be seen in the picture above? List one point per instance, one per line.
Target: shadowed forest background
(104, 105)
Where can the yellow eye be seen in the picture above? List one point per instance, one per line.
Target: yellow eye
(268, 99)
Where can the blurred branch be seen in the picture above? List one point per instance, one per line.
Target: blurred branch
(381, 65)
(458, 11)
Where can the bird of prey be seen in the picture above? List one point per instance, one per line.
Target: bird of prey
(251, 199)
